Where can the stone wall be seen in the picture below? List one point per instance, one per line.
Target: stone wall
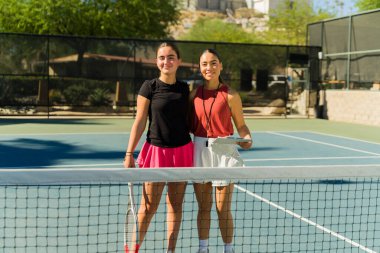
(353, 106)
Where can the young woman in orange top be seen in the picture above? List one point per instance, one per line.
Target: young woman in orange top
(215, 106)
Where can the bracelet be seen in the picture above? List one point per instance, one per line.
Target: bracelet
(129, 152)
(127, 155)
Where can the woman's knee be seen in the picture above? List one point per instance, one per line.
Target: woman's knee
(223, 199)
(223, 211)
(149, 209)
(175, 199)
(203, 193)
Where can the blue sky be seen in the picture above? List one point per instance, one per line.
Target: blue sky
(349, 6)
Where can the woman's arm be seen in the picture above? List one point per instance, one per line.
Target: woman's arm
(137, 130)
(236, 107)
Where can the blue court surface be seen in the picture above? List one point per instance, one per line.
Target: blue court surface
(286, 221)
(106, 150)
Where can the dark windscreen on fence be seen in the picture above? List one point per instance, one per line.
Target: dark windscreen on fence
(66, 75)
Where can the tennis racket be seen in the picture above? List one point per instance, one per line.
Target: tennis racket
(131, 235)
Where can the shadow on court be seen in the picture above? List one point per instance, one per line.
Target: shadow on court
(25, 152)
(52, 121)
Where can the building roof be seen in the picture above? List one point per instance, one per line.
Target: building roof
(106, 57)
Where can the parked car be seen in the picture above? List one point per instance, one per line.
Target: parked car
(273, 80)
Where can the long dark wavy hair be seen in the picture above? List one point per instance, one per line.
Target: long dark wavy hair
(214, 52)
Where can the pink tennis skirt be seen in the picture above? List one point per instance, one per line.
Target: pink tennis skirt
(157, 157)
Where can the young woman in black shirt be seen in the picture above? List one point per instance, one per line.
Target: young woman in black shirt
(164, 102)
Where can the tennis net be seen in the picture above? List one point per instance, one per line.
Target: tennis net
(275, 209)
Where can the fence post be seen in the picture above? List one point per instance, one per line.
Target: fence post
(121, 96)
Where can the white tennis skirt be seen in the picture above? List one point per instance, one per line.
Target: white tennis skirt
(209, 154)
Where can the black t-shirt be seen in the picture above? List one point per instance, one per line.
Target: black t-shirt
(168, 113)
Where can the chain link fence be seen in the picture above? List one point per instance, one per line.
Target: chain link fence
(350, 53)
(51, 76)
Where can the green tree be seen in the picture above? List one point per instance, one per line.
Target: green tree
(217, 30)
(117, 18)
(287, 23)
(333, 7)
(365, 5)
(111, 18)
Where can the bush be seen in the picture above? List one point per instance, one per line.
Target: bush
(55, 97)
(76, 94)
(99, 97)
(6, 93)
(245, 98)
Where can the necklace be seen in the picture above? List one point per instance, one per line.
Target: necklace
(208, 117)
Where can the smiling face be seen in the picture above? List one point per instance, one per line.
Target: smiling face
(167, 60)
(210, 66)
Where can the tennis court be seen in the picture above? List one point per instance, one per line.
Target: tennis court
(323, 197)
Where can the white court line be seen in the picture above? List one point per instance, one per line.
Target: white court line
(310, 222)
(311, 158)
(326, 143)
(344, 137)
(102, 165)
(64, 166)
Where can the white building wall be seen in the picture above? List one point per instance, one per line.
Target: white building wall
(354, 106)
(264, 6)
(261, 5)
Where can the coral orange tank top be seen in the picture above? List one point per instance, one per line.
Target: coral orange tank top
(212, 115)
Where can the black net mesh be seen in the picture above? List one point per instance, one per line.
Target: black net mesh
(84, 210)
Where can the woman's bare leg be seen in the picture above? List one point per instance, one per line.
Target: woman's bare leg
(150, 200)
(203, 193)
(174, 200)
(223, 197)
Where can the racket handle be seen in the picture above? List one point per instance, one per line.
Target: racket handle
(126, 249)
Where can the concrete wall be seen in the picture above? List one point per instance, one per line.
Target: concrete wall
(353, 106)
